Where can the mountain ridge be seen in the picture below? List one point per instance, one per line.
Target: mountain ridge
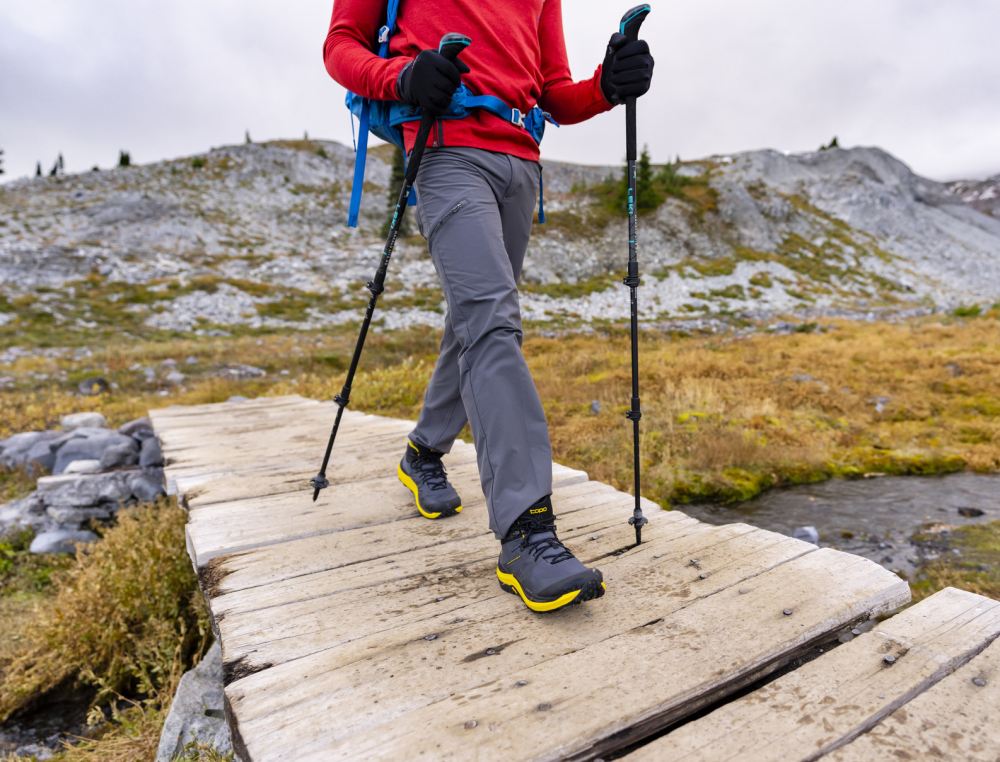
(252, 236)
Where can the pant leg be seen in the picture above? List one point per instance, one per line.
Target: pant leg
(442, 415)
(462, 192)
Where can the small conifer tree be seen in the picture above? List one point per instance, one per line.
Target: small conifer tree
(395, 183)
(124, 159)
(38, 169)
(246, 138)
(2, 170)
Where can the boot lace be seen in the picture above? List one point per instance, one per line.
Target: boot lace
(540, 540)
(431, 470)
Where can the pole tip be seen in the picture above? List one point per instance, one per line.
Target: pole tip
(318, 482)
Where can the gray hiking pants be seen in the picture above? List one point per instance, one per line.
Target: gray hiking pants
(475, 210)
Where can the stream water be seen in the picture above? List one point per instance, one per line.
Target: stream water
(874, 518)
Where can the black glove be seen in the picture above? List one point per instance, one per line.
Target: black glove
(429, 81)
(627, 70)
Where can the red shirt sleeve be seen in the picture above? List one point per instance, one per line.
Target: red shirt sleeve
(348, 54)
(569, 102)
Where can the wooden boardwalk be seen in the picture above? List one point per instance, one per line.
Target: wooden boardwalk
(353, 628)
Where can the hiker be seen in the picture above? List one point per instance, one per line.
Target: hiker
(476, 190)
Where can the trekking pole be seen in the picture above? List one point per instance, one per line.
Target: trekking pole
(451, 45)
(629, 27)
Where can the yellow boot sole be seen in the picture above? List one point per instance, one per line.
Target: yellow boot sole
(412, 486)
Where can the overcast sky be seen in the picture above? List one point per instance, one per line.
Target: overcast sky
(165, 78)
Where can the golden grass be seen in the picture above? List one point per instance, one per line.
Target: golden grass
(125, 618)
(724, 417)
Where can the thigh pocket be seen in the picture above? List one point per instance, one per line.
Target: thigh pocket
(443, 219)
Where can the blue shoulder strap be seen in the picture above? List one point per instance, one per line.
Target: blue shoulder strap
(361, 150)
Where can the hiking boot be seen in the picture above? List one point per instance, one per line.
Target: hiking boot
(422, 472)
(536, 566)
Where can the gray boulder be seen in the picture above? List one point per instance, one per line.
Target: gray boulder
(151, 454)
(85, 490)
(14, 449)
(27, 512)
(78, 420)
(808, 534)
(196, 713)
(88, 447)
(83, 467)
(91, 387)
(147, 485)
(69, 517)
(137, 428)
(125, 453)
(41, 455)
(60, 541)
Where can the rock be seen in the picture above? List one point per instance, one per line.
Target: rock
(91, 387)
(595, 407)
(89, 447)
(147, 485)
(136, 427)
(60, 541)
(79, 420)
(67, 517)
(27, 512)
(196, 713)
(971, 513)
(954, 369)
(14, 449)
(237, 398)
(191, 360)
(151, 453)
(83, 467)
(879, 403)
(85, 490)
(803, 378)
(175, 377)
(807, 533)
(41, 456)
(239, 371)
(122, 454)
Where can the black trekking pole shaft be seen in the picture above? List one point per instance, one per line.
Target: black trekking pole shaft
(630, 24)
(451, 45)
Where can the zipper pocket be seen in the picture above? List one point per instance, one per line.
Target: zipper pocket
(445, 217)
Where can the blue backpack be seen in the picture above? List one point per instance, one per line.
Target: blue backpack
(384, 120)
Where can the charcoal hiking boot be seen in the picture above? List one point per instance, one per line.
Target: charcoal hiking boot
(538, 568)
(422, 472)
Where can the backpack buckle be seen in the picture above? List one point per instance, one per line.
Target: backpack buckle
(383, 35)
(516, 117)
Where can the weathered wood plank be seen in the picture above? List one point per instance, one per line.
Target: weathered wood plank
(306, 568)
(222, 528)
(575, 698)
(428, 585)
(954, 720)
(845, 692)
(352, 628)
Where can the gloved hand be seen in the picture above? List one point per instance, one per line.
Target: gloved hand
(627, 70)
(429, 81)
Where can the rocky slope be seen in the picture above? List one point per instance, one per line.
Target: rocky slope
(983, 195)
(252, 237)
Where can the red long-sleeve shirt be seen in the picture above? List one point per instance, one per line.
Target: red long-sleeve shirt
(517, 54)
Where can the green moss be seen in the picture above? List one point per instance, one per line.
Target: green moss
(564, 289)
(761, 279)
(734, 291)
(967, 311)
(975, 568)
